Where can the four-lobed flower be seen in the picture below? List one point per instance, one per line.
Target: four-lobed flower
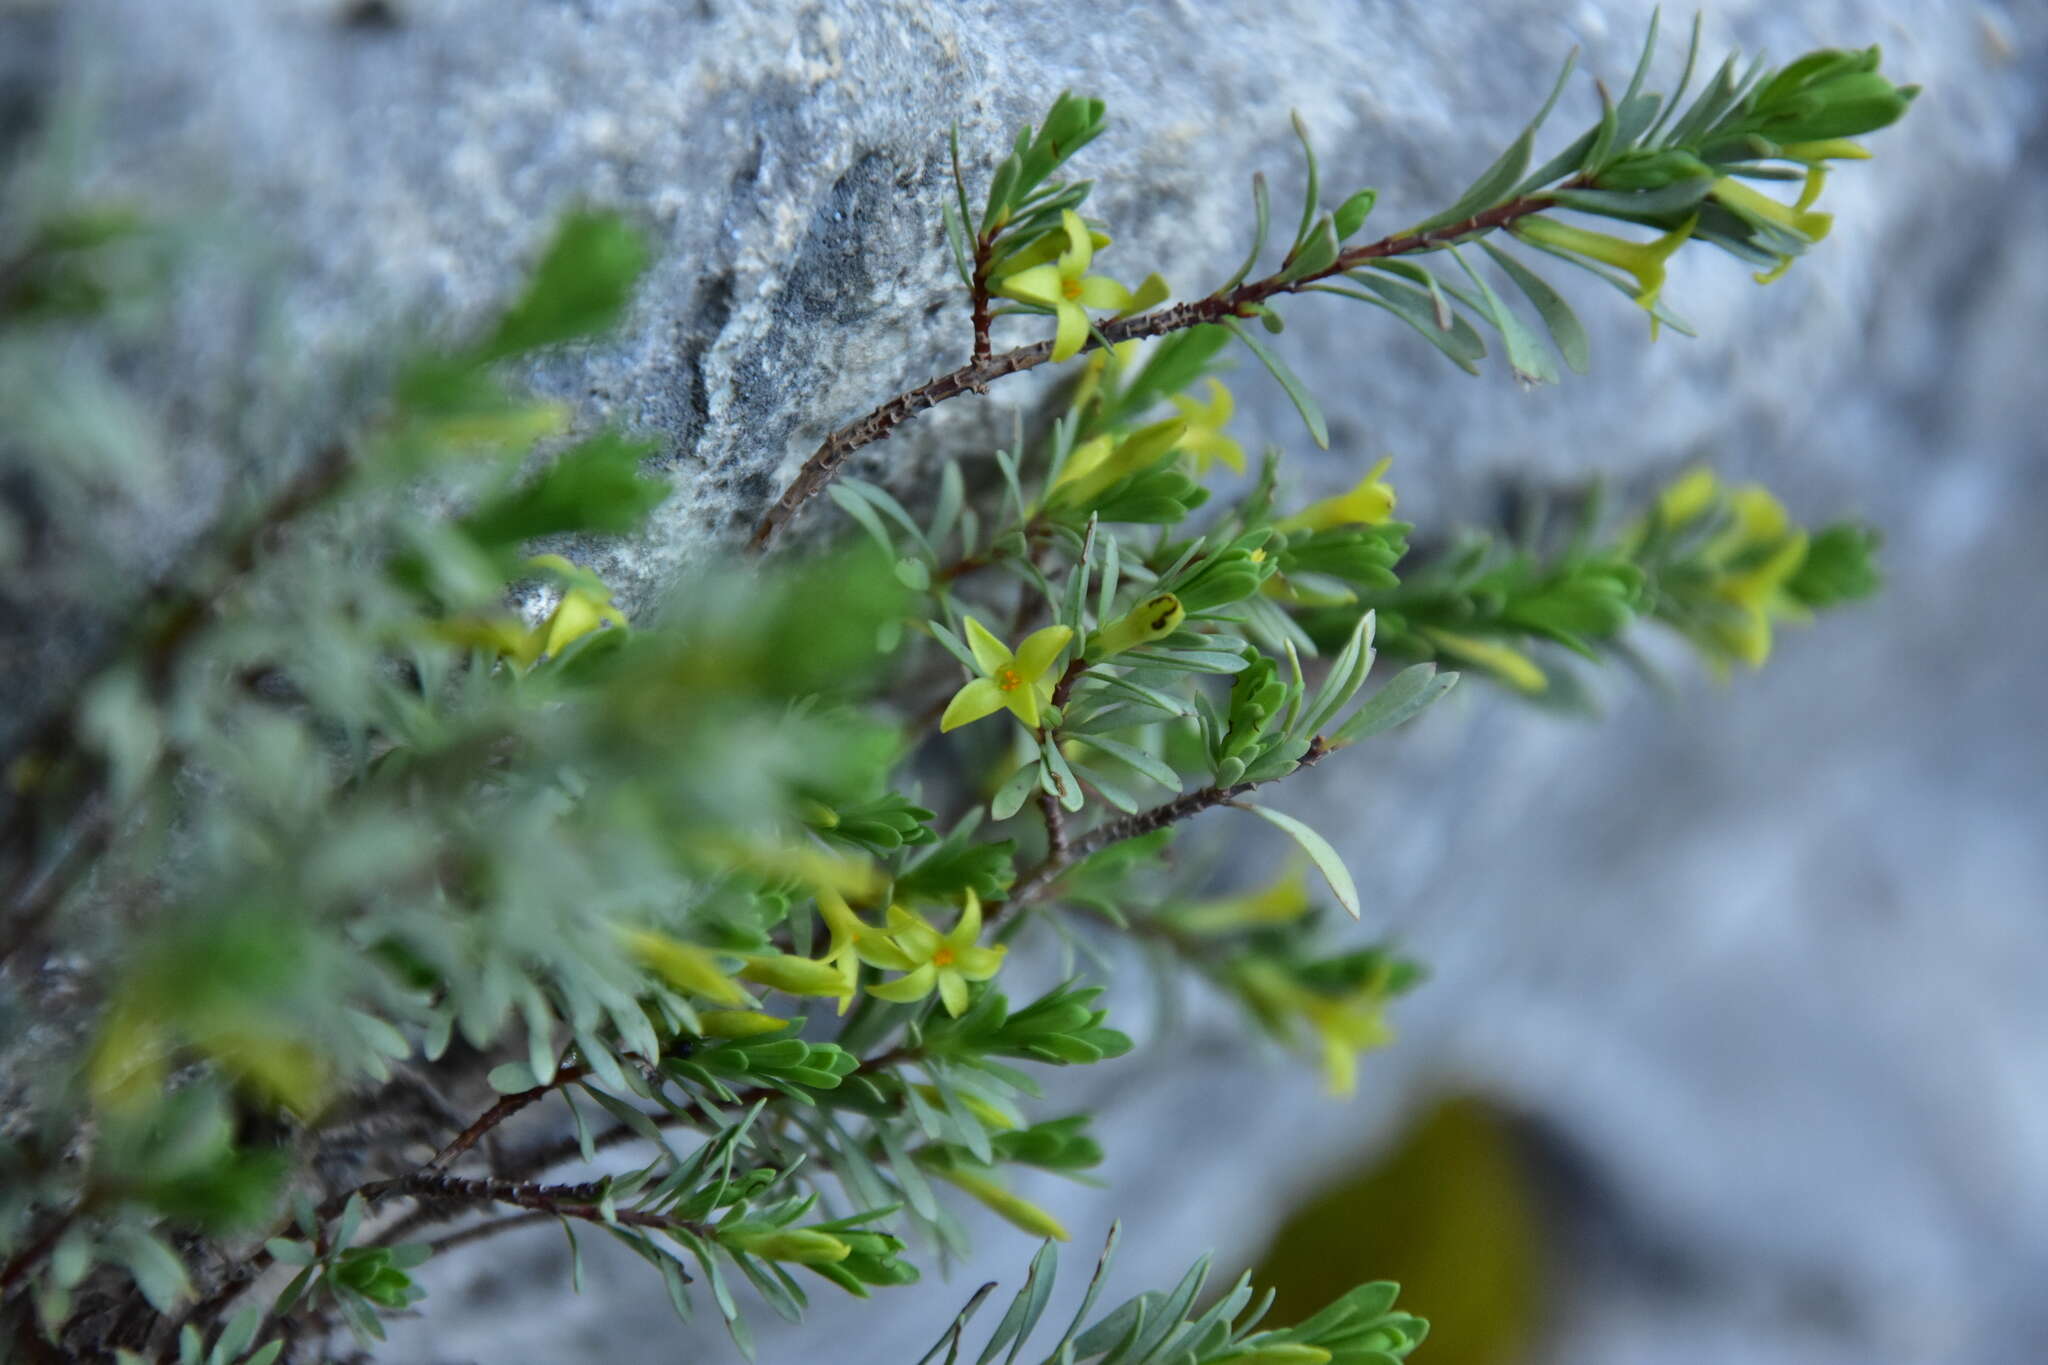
(1204, 440)
(1065, 286)
(931, 960)
(1017, 680)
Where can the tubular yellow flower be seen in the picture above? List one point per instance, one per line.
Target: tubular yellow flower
(1017, 681)
(1794, 218)
(931, 959)
(1644, 260)
(1345, 1027)
(1204, 440)
(1368, 504)
(1066, 287)
(847, 930)
(1689, 498)
(1281, 901)
(796, 975)
(1770, 549)
(1513, 666)
(1755, 204)
(1098, 463)
(1155, 618)
(685, 966)
(1017, 1211)
(738, 1023)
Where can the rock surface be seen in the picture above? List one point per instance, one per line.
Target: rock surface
(1767, 959)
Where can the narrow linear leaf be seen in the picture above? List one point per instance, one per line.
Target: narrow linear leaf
(1314, 190)
(1262, 209)
(1526, 356)
(1498, 181)
(1311, 415)
(1319, 851)
(1411, 692)
(1563, 324)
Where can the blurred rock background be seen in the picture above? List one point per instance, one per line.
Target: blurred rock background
(1744, 983)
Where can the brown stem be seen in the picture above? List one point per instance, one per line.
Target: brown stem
(504, 1109)
(983, 252)
(555, 1201)
(1040, 878)
(976, 375)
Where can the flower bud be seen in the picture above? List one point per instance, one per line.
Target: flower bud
(1153, 619)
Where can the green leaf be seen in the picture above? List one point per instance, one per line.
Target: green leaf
(1316, 254)
(1460, 341)
(594, 487)
(1319, 851)
(1413, 690)
(863, 511)
(1262, 209)
(582, 284)
(1563, 324)
(1026, 1309)
(1526, 356)
(1148, 764)
(1311, 415)
(1498, 181)
(158, 1272)
(1013, 794)
(1352, 213)
(1637, 206)
(1315, 185)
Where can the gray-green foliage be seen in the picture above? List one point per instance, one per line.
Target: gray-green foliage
(334, 829)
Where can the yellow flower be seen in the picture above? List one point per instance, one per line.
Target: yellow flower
(1689, 498)
(1513, 666)
(1368, 504)
(796, 975)
(1013, 1209)
(931, 959)
(1345, 1027)
(1761, 209)
(1118, 358)
(1066, 287)
(738, 1023)
(1155, 618)
(1644, 260)
(1017, 681)
(1750, 561)
(1769, 550)
(586, 606)
(1281, 901)
(847, 930)
(1204, 440)
(684, 966)
(1095, 465)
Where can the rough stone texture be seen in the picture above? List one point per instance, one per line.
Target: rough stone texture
(1765, 960)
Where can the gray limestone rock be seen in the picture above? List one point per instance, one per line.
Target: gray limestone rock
(1766, 958)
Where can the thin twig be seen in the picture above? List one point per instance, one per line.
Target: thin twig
(504, 1109)
(976, 375)
(1039, 879)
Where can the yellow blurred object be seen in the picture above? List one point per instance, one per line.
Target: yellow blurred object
(1450, 1213)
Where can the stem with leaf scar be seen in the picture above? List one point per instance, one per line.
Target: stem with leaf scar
(976, 375)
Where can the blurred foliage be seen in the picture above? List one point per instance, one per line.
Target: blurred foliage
(365, 797)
